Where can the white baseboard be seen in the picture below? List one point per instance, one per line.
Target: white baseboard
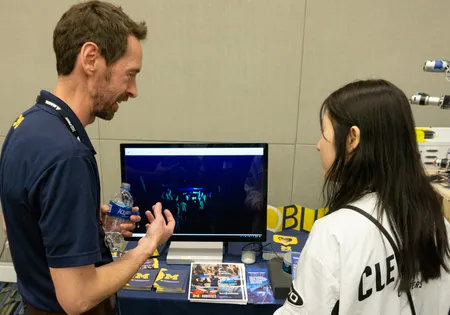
(7, 272)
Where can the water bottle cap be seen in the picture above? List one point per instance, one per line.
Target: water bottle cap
(125, 186)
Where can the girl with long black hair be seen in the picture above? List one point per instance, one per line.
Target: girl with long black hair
(383, 247)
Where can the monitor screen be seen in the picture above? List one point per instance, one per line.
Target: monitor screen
(216, 192)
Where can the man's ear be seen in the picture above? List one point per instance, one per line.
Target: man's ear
(353, 139)
(90, 58)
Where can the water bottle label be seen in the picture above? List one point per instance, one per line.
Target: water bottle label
(123, 212)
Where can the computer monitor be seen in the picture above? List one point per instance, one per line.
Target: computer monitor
(216, 192)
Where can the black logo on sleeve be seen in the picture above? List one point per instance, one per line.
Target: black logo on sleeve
(382, 278)
(294, 298)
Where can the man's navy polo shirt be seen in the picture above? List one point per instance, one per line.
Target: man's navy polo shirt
(50, 195)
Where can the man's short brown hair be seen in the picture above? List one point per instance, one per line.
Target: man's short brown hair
(93, 21)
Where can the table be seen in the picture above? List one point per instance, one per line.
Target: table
(140, 302)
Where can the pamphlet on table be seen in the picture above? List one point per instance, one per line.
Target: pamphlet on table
(218, 283)
(259, 290)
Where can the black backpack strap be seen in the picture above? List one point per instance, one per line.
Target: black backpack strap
(391, 241)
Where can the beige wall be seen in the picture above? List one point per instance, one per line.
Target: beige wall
(239, 70)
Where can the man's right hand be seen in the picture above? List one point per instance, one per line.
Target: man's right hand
(158, 231)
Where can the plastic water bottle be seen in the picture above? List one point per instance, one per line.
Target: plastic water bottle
(120, 209)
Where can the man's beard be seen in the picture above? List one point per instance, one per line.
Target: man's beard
(103, 105)
(105, 111)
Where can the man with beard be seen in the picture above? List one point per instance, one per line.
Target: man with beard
(49, 180)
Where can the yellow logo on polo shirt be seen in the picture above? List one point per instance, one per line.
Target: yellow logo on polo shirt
(18, 121)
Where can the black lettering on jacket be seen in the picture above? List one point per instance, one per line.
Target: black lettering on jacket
(380, 281)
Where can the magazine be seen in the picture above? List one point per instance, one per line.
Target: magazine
(218, 283)
(259, 289)
(146, 275)
(171, 280)
(142, 280)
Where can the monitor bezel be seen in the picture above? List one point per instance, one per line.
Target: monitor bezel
(212, 238)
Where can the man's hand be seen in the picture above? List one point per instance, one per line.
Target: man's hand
(126, 228)
(79, 289)
(158, 232)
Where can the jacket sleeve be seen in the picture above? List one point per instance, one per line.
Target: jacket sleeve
(315, 289)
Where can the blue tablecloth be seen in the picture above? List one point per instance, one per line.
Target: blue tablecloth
(140, 302)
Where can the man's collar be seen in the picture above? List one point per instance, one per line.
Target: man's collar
(75, 120)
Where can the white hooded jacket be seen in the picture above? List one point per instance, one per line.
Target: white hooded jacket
(348, 267)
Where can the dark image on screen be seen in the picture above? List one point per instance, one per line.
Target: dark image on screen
(206, 194)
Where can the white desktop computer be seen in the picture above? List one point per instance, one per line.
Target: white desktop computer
(216, 192)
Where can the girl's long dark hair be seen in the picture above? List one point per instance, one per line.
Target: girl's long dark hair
(387, 161)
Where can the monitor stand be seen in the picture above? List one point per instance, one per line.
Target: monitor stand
(183, 253)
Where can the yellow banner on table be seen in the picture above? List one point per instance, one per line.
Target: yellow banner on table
(292, 217)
